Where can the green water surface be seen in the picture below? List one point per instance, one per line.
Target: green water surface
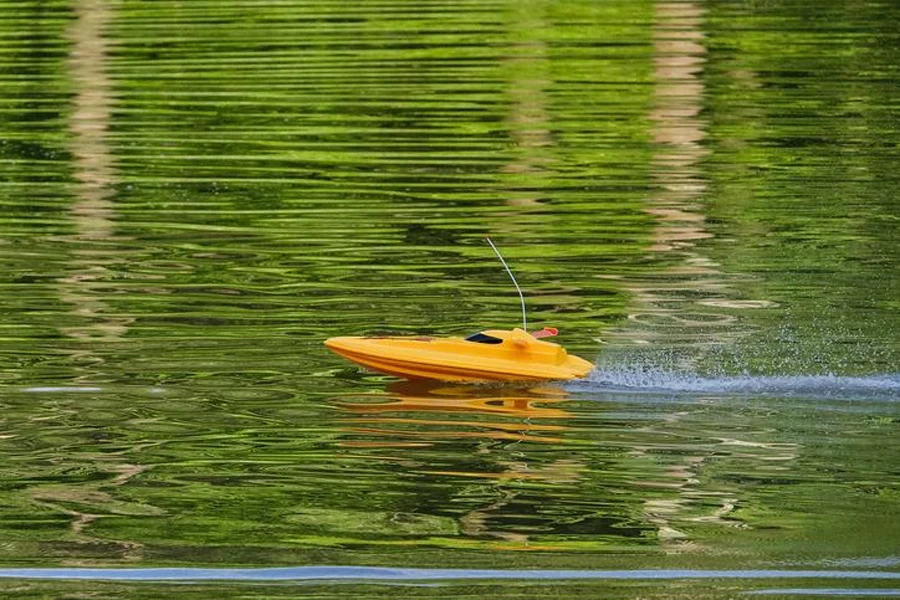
(701, 196)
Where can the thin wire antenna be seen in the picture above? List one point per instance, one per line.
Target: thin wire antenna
(515, 283)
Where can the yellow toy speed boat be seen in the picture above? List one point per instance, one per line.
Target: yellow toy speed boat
(490, 355)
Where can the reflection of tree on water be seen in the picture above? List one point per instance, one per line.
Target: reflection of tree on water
(91, 214)
(92, 211)
(664, 308)
(689, 302)
(681, 306)
(666, 311)
(528, 118)
(506, 462)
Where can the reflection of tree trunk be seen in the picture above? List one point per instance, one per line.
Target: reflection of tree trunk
(677, 132)
(677, 129)
(90, 120)
(665, 307)
(475, 523)
(91, 214)
(92, 209)
(87, 503)
(675, 308)
(528, 119)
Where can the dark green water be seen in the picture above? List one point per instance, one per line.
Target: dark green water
(701, 196)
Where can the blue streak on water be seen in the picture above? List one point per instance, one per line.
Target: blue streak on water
(72, 389)
(878, 593)
(62, 389)
(638, 379)
(401, 574)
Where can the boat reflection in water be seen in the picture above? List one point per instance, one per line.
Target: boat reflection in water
(431, 402)
(497, 460)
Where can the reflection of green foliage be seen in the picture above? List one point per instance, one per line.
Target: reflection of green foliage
(803, 137)
(349, 522)
(349, 134)
(35, 164)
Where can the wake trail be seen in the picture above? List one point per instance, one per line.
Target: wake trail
(641, 379)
